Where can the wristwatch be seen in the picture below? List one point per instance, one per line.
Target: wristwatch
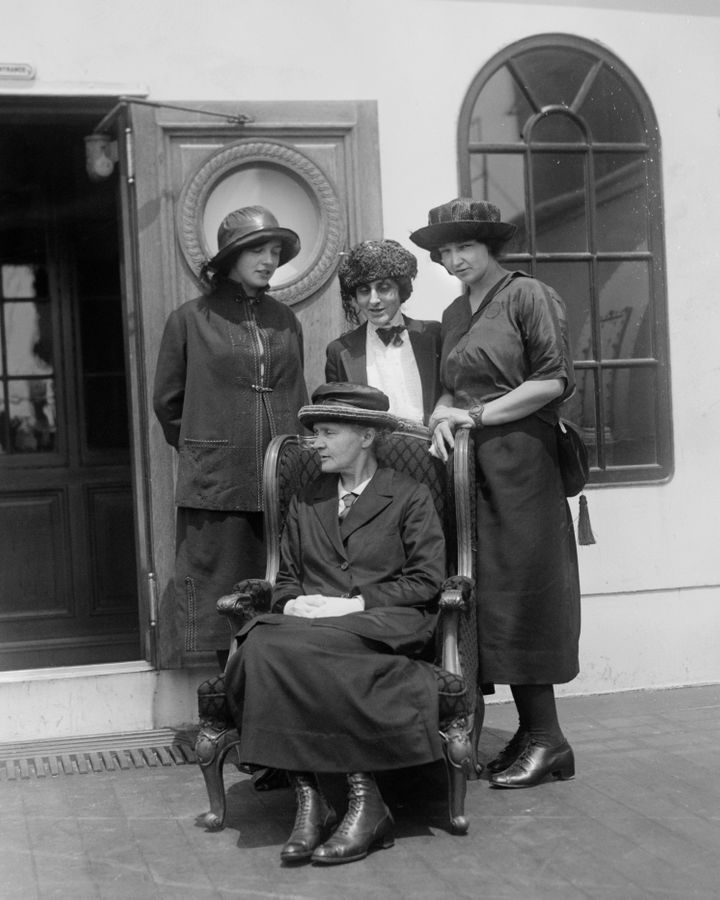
(476, 414)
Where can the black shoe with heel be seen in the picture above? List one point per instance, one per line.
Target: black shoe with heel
(534, 764)
(510, 752)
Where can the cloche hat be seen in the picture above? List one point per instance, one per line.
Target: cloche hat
(341, 401)
(462, 219)
(247, 226)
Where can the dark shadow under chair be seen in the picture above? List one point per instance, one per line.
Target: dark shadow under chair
(290, 464)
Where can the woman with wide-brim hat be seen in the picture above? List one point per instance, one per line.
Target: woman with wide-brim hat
(506, 367)
(330, 681)
(229, 378)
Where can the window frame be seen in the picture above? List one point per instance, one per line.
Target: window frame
(604, 472)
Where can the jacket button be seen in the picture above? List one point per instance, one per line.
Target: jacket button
(345, 565)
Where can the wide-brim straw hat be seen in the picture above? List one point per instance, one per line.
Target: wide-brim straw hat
(249, 226)
(460, 220)
(342, 401)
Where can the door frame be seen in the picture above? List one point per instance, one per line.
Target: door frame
(156, 280)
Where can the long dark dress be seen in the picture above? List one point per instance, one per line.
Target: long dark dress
(528, 583)
(346, 693)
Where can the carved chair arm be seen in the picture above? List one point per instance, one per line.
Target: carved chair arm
(249, 598)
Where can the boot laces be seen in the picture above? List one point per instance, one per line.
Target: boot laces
(356, 796)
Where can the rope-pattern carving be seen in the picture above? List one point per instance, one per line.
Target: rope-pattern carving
(194, 196)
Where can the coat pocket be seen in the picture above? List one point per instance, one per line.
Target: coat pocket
(205, 470)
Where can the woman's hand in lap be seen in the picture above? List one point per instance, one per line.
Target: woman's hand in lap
(315, 606)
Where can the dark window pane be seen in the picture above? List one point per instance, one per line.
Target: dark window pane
(22, 244)
(630, 411)
(557, 128)
(106, 417)
(500, 111)
(499, 178)
(572, 281)
(611, 110)
(28, 332)
(580, 409)
(101, 336)
(624, 292)
(621, 202)
(4, 424)
(559, 193)
(32, 421)
(553, 75)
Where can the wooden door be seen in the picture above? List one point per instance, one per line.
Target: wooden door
(182, 170)
(68, 590)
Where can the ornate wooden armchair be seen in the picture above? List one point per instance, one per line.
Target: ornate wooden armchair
(289, 465)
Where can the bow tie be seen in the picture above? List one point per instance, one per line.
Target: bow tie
(392, 333)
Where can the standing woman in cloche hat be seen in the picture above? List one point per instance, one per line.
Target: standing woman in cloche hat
(505, 368)
(229, 378)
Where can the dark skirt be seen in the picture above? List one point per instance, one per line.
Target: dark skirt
(214, 550)
(314, 697)
(528, 583)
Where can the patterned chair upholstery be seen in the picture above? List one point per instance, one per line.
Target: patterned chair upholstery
(290, 464)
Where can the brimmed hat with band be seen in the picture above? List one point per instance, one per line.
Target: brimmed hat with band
(341, 401)
(460, 220)
(249, 226)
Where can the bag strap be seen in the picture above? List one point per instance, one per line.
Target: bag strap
(494, 290)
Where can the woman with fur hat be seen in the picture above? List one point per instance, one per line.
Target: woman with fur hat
(389, 350)
(330, 681)
(505, 368)
(229, 378)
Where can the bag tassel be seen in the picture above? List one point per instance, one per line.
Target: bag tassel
(585, 532)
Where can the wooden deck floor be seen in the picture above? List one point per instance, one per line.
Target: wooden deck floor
(641, 819)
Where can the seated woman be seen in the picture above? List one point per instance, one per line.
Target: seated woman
(390, 351)
(330, 681)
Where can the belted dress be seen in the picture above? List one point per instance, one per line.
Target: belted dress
(528, 589)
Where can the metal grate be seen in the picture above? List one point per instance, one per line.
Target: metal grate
(93, 754)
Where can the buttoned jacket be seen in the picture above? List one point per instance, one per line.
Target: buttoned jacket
(229, 377)
(347, 358)
(389, 549)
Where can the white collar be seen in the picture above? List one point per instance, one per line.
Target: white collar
(357, 490)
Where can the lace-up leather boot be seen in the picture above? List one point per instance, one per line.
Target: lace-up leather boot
(314, 820)
(367, 822)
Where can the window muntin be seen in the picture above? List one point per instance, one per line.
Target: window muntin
(560, 135)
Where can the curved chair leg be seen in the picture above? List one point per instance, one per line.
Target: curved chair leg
(459, 762)
(475, 729)
(211, 747)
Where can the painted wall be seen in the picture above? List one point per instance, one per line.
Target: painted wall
(651, 584)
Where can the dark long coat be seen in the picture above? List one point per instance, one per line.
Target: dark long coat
(347, 360)
(229, 377)
(343, 693)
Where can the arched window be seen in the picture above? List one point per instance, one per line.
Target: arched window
(561, 136)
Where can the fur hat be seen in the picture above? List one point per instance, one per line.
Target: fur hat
(373, 260)
(341, 401)
(249, 226)
(460, 220)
